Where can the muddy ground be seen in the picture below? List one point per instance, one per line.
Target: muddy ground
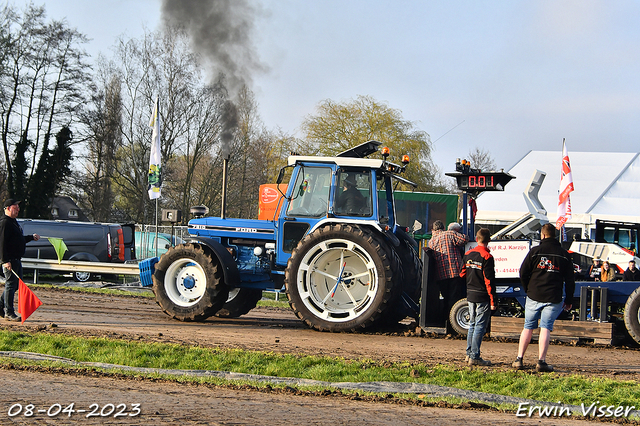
(266, 329)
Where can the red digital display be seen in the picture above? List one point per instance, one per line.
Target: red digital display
(477, 182)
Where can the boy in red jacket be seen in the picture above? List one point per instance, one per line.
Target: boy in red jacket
(479, 270)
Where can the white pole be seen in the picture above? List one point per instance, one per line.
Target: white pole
(156, 242)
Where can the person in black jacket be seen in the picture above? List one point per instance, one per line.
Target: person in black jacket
(350, 201)
(632, 273)
(12, 248)
(479, 270)
(545, 270)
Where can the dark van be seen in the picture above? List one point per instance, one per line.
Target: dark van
(85, 241)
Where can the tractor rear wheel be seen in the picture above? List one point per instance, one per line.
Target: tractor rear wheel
(410, 283)
(632, 315)
(340, 278)
(188, 283)
(239, 302)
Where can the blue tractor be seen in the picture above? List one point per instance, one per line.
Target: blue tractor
(334, 246)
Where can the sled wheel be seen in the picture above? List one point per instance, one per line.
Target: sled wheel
(632, 315)
(339, 278)
(188, 283)
(239, 302)
(459, 317)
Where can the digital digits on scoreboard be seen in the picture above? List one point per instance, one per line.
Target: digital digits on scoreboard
(479, 182)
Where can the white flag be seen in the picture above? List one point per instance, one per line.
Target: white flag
(155, 164)
(566, 187)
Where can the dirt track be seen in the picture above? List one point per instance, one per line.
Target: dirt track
(262, 329)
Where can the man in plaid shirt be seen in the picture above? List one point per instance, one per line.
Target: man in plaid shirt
(448, 247)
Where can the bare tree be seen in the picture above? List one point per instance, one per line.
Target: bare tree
(103, 121)
(161, 65)
(481, 159)
(43, 77)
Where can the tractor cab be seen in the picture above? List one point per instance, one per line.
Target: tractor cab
(344, 188)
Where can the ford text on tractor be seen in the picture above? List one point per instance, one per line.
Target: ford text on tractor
(334, 245)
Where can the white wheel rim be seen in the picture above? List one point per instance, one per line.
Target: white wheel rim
(337, 280)
(83, 276)
(462, 317)
(233, 293)
(185, 282)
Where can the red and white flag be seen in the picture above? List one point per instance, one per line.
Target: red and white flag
(566, 187)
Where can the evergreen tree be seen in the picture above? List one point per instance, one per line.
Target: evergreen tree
(53, 168)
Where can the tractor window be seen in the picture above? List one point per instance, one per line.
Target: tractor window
(610, 235)
(293, 233)
(624, 234)
(310, 192)
(628, 238)
(383, 208)
(353, 193)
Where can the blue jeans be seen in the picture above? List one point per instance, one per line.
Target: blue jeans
(10, 287)
(547, 313)
(479, 315)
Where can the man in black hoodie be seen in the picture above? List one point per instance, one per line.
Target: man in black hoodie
(543, 274)
(12, 248)
(479, 270)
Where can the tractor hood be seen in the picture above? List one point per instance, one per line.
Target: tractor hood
(238, 228)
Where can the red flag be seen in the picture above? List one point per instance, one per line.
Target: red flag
(566, 187)
(28, 302)
(474, 208)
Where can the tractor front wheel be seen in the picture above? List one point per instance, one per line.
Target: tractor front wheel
(188, 283)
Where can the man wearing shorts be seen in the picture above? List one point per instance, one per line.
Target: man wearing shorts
(544, 272)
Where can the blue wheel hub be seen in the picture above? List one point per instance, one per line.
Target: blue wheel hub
(189, 282)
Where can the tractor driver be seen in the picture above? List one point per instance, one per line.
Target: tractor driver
(350, 200)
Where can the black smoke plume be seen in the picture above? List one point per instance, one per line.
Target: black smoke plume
(221, 32)
(229, 120)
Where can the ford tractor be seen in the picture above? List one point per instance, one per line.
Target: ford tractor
(333, 245)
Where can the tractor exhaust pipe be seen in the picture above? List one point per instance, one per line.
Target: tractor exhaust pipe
(229, 121)
(223, 207)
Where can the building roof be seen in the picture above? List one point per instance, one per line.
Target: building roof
(66, 209)
(606, 187)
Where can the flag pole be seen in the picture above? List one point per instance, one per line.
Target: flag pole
(155, 164)
(156, 242)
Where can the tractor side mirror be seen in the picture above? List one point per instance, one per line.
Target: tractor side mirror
(280, 175)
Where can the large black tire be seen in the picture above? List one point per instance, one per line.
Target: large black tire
(632, 315)
(188, 283)
(340, 278)
(459, 317)
(239, 302)
(410, 277)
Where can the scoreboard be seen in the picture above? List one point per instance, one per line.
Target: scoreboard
(475, 182)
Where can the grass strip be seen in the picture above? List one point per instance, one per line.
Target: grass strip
(568, 389)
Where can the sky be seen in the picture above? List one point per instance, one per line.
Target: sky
(503, 76)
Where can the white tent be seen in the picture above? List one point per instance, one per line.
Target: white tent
(607, 186)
